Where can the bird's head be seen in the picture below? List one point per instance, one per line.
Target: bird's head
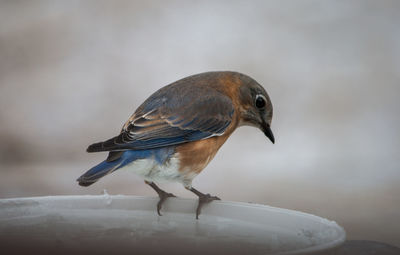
(256, 107)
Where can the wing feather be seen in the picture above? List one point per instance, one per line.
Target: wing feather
(167, 118)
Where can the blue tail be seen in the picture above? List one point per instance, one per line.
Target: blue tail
(102, 169)
(107, 167)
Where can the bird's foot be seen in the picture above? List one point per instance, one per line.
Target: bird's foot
(161, 193)
(204, 199)
(163, 196)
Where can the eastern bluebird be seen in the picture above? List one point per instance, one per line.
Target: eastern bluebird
(178, 130)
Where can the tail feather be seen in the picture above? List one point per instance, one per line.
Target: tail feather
(102, 169)
(119, 159)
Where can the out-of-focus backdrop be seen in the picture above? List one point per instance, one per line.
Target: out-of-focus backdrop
(72, 72)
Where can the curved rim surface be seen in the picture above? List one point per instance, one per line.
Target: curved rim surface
(180, 205)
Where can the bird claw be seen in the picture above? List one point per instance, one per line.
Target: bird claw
(163, 196)
(204, 199)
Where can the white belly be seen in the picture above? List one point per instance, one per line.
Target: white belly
(150, 170)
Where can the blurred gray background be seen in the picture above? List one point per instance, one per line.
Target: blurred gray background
(72, 72)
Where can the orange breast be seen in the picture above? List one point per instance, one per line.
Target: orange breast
(195, 156)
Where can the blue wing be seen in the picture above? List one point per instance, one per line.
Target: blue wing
(176, 114)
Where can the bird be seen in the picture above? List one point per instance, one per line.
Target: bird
(177, 131)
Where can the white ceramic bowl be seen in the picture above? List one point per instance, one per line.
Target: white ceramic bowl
(128, 224)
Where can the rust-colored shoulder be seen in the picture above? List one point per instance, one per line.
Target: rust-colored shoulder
(230, 83)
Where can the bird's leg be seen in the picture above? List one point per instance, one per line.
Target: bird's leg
(203, 199)
(161, 193)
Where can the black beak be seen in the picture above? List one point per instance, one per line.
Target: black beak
(268, 132)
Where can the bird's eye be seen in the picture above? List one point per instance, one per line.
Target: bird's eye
(260, 101)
